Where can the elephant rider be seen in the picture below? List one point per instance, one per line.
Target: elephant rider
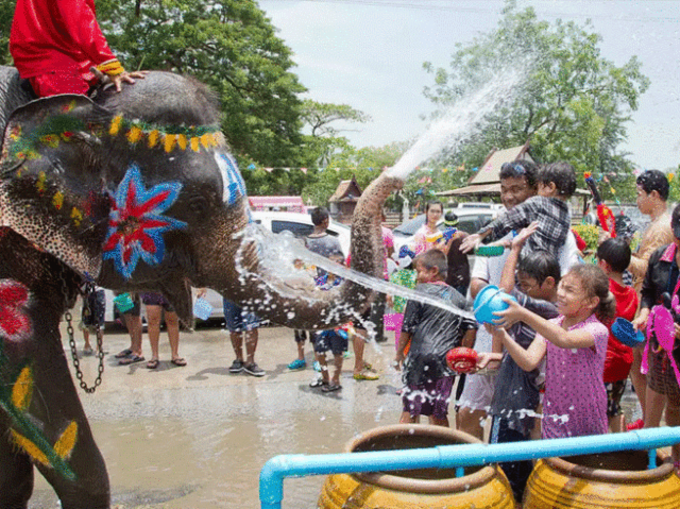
(54, 44)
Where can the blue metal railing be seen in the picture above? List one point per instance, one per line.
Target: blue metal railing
(453, 456)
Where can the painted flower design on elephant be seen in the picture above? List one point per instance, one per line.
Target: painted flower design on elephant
(136, 223)
(15, 324)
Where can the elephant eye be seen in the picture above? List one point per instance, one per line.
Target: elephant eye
(198, 204)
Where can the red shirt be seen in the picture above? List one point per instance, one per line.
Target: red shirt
(52, 35)
(620, 357)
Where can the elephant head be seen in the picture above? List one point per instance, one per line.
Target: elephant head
(138, 191)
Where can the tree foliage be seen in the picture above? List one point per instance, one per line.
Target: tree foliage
(574, 104)
(318, 149)
(324, 139)
(228, 44)
(365, 164)
(6, 15)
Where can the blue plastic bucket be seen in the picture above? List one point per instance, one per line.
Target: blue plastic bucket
(488, 302)
(202, 309)
(624, 331)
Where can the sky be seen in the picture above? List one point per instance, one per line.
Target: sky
(369, 54)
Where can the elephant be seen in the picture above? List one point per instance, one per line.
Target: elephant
(133, 191)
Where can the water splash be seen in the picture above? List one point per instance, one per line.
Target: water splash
(278, 252)
(460, 121)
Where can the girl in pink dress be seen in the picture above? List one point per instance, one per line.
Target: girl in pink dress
(574, 345)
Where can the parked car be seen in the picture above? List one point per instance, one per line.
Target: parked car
(498, 207)
(470, 220)
(301, 225)
(298, 224)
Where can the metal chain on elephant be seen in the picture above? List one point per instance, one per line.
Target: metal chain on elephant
(89, 289)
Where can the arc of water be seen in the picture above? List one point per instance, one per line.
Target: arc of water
(278, 253)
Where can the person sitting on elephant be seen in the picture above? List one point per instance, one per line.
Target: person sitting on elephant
(54, 44)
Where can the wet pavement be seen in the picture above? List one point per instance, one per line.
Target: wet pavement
(197, 436)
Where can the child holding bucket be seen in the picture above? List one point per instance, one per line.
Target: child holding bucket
(516, 396)
(574, 345)
(431, 332)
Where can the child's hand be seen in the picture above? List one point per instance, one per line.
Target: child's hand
(640, 323)
(510, 316)
(389, 301)
(469, 243)
(398, 361)
(487, 359)
(524, 234)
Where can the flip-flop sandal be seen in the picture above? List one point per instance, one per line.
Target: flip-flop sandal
(318, 383)
(179, 361)
(124, 353)
(131, 359)
(366, 375)
(331, 388)
(152, 364)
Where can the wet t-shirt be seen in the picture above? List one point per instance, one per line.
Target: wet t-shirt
(517, 392)
(434, 331)
(326, 245)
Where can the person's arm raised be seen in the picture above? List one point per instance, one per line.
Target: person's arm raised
(507, 283)
(577, 338)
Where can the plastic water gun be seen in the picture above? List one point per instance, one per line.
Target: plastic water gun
(448, 233)
(604, 213)
(346, 330)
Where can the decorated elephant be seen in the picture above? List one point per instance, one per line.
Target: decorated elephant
(134, 191)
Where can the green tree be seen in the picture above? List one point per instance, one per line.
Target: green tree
(6, 15)
(228, 44)
(365, 164)
(324, 139)
(573, 105)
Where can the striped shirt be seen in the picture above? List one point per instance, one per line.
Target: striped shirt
(552, 215)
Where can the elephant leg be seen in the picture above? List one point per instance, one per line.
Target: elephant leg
(16, 473)
(56, 403)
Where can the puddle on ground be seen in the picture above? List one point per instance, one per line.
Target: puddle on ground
(197, 437)
(205, 448)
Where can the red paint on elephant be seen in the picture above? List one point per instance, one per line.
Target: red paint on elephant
(14, 322)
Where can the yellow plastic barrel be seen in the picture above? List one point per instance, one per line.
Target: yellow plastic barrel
(617, 480)
(480, 487)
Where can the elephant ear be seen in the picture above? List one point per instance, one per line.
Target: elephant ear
(51, 185)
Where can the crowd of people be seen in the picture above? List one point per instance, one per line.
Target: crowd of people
(549, 365)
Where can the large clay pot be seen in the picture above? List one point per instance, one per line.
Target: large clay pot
(618, 480)
(481, 487)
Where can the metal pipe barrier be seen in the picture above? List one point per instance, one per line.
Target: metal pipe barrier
(278, 468)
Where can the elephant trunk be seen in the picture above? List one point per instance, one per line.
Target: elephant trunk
(274, 299)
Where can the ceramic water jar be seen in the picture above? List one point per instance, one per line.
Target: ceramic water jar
(617, 480)
(480, 487)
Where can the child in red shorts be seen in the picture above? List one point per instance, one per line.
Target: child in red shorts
(54, 44)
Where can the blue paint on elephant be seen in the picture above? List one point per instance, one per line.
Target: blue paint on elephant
(136, 223)
(233, 184)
